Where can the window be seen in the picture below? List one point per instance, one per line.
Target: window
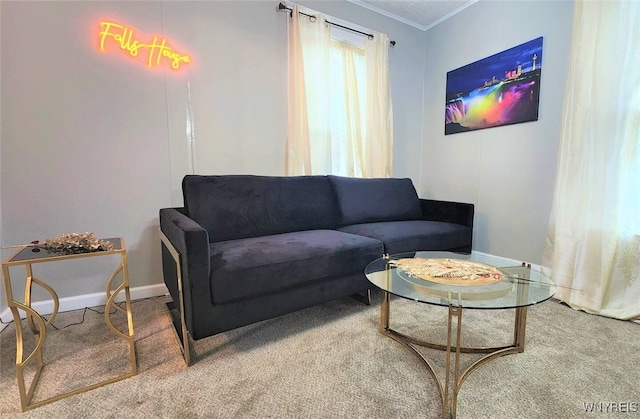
(340, 119)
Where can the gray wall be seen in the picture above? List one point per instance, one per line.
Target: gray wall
(3, 304)
(507, 172)
(84, 138)
(95, 142)
(92, 142)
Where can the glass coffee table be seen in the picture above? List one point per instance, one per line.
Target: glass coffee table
(458, 282)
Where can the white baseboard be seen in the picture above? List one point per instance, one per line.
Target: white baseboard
(87, 300)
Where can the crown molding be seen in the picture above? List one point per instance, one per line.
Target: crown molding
(450, 14)
(407, 21)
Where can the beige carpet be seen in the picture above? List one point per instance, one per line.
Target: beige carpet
(330, 361)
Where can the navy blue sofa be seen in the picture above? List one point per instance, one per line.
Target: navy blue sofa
(248, 248)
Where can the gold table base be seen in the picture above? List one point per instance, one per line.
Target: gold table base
(449, 393)
(39, 327)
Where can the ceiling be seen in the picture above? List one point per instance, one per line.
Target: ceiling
(421, 14)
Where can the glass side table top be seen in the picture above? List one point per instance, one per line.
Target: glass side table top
(514, 286)
(38, 253)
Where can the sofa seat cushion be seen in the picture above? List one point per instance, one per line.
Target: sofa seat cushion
(260, 265)
(414, 235)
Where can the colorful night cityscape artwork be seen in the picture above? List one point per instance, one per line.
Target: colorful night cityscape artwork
(502, 89)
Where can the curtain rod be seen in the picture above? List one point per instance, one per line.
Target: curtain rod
(282, 6)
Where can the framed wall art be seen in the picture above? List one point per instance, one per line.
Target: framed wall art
(502, 89)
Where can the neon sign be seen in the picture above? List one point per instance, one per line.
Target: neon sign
(153, 51)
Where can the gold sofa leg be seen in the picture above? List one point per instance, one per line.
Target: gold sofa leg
(364, 298)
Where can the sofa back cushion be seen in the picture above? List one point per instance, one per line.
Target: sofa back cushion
(375, 200)
(241, 206)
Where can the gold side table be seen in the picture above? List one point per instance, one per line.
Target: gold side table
(27, 257)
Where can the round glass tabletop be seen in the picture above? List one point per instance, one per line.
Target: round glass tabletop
(445, 278)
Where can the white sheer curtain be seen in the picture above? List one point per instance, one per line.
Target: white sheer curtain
(348, 65)
(379, 131)
(593, 242)
(308, 94)
(340, 116)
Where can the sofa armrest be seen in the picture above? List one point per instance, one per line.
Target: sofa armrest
(191, 242)
(447, 211)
